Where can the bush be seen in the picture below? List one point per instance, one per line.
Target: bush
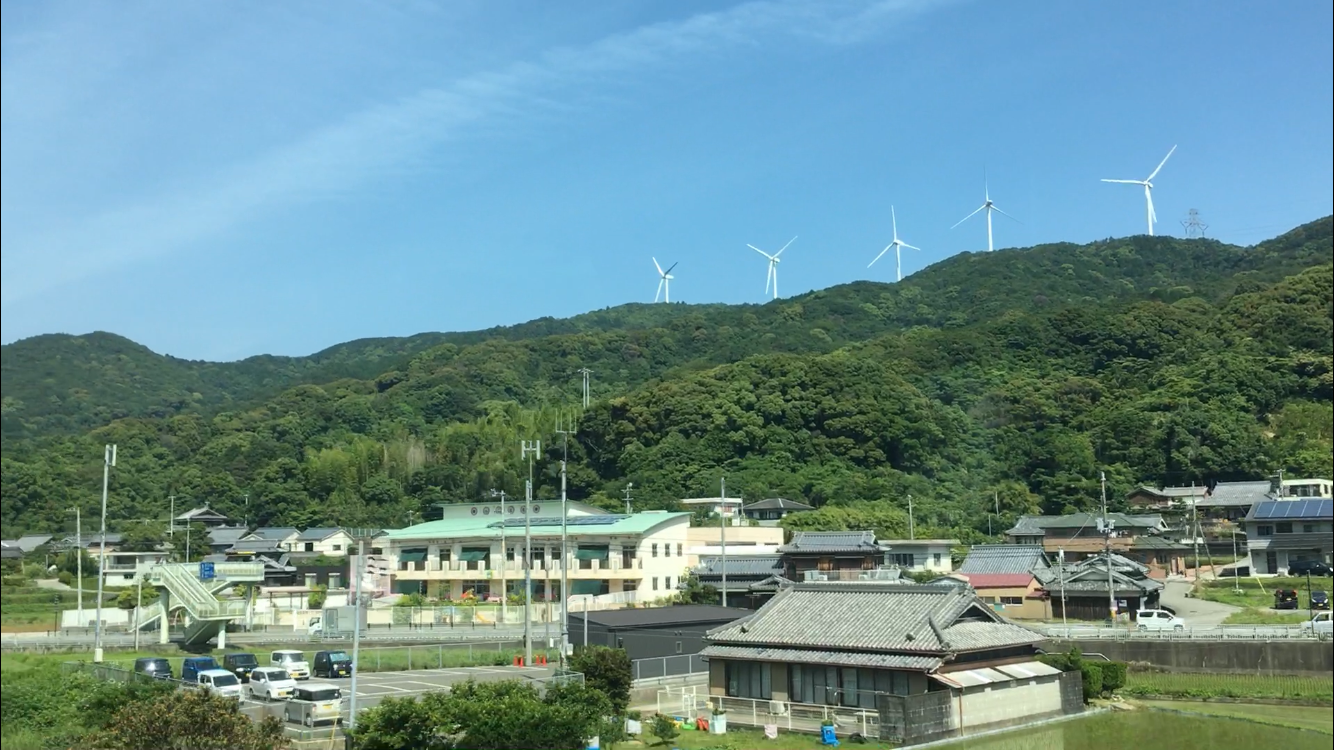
(65, 577)
(1113, 676)
(317, 597)
(190, 719)
(664, 728)
(1092, 680)
(607, 670)
(415, 599)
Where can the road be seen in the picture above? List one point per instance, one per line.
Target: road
(1198, 613)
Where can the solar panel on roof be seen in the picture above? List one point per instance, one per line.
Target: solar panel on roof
(1311, 508)
(606, 520)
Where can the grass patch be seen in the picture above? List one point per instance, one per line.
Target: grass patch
(1242, 686)
(1313, 718)
(1253, 616)
(1257, 594)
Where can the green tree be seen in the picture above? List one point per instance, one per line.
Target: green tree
(190, 720)
(607, 670)
(317, 596)
(143, 537)
(664, 728)
(694, 592)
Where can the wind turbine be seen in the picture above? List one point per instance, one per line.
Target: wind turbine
(987, 206)
(772, 277)
(664, 282)
(1148, 188)
(898, 246)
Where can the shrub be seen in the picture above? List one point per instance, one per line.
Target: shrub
(607, 670)
(664, 728)
(1092, 680)
(317, 597)
(190, 719)
(65, 577)
(1113, 676)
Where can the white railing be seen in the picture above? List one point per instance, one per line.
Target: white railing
(182, 584)
(689, 703)
(657, 667)
(1222, 633)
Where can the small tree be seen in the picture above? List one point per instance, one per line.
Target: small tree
(189, 720)
(694, 592)
(607, 670)
(129, 597)
(664, 728)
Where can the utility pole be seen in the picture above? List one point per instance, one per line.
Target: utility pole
(1060, 557)
(995, 500)
(722, 538)
(108, 461)
(171, 518)
(912, 528)
(78, 557)
(585, 372)
(1107, 548)
(1194, 529)
(627, 498)
(1236, 582)
(564, 550)
(139, 611)
(504, 561)
(528, 449)
(361, 535)
(246, 517)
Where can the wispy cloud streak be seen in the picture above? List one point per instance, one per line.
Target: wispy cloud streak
(373, 143)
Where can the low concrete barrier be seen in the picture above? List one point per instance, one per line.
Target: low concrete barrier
(1304, 657)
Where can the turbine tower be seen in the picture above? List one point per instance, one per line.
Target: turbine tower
(771, 279)
(1147, 182)
(989, 207)
(898, 246)
(664, 282)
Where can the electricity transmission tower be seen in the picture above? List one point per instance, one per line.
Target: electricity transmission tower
(1193, 226)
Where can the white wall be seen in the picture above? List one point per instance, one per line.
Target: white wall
(1009, 701)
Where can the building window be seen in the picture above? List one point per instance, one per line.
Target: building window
(1308, 528)
(748, 679)
(335, 581)
(337, 548)
(1013, 601)
(678, 647)
(627, 557)
(903, 560)
(679, 549)
(310, 547)
(1264, 530)
(667, 550)
(1284, 528)
(655, 583)
(509, 554)
(935, 559)
(311, 580)
(667, 583)
(655, 550)
(825, 563)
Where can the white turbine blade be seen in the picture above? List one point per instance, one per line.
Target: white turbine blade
(655, 265)
(657, 296)
(780, 252)
(669, 269)
(910, 247)
(1160, 165)
(768, 277)
(1127, 182)
(894, 218)
(996, 208)
(761, 252)
(969, 216)
(882, 253)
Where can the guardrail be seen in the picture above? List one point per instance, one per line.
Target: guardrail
(1228, 633)
(669, 666)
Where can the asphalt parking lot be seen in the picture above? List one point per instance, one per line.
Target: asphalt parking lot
(372, 686)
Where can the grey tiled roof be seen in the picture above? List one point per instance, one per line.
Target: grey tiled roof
(227, 534)
(882, 617)
(317, 535)
(772, 583)
(1036, 525)
(30, 542)
(835, 658)
(814, 542)
(255, 545)
(777, 503)
(1004, 558)
(979, 634)
(1238, 493)
(739, 566)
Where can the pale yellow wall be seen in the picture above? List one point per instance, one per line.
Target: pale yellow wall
(778, 682)
(717, 677)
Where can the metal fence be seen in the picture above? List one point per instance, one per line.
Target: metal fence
(1227, 633)
(669, 666)
(690, 704)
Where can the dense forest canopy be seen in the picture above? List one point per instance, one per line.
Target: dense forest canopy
(1010, 378)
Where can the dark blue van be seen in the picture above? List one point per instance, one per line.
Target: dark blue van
(193, 665)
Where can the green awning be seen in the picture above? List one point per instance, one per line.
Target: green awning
(474, 555)
(412, 555)
(590, 588)
(592, 552)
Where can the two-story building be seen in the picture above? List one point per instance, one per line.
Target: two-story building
(1280, 532)
(328, 541)
(283, 538)
(477, 549)
(124, 568)
(831, 552)
(920, 555)
(1078, 536)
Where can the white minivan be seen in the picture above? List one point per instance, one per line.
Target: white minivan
(271, 683)
(293, 661)
(221, 681)
(1158, 619)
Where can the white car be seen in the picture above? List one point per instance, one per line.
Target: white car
(222, 682)
(293, 661)
(1158, 619)
(1322, 625)
(271, 683)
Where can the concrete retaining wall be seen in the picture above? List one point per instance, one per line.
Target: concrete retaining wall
(1252, 657)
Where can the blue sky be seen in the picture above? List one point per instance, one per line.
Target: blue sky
(217, 180)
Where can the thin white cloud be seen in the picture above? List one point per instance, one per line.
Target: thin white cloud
(393, 135)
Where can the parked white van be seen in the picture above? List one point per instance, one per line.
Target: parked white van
(293, 661)
(1158, 619)
(271, 683)
(221, 681)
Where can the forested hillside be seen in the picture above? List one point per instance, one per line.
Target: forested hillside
(1022, 373)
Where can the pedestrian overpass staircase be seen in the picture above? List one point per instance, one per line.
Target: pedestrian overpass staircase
(183, 590)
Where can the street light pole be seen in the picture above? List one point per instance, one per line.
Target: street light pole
(722, 539)
(564, 553)
(1107, 548)
(1236, 582)
(108, 461)
(528, 449)
(361, 535)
